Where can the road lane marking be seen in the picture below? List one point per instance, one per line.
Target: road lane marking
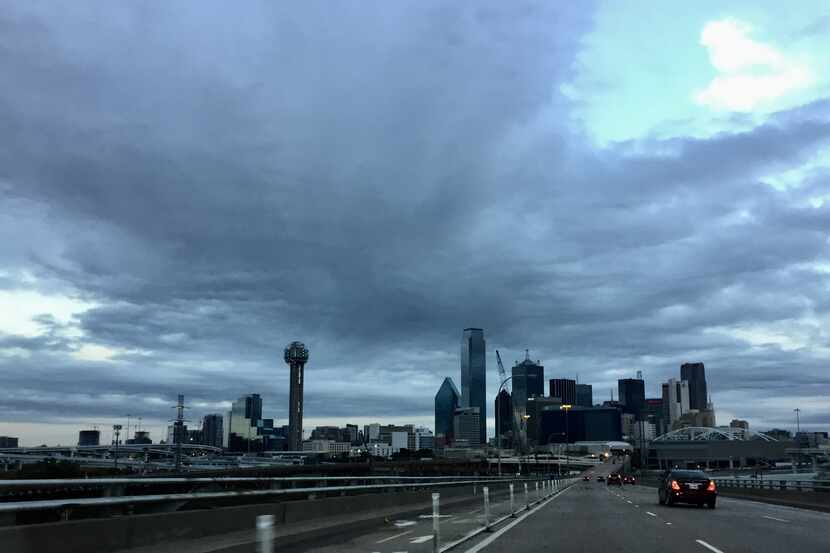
(390, 538)
(433, 516)
(405, 523)
(774, 518)
(421, 539)
(709, 547)
(637, 506)
(630, 502)
(461, 521)
(650, 513)
(668, 524)
(495, 535)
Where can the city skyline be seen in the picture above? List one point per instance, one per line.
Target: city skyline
(171, 223)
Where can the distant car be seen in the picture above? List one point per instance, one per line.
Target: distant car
(586, 478)
(628, 479)
(600, 478)
(687, 486)
(614, 480)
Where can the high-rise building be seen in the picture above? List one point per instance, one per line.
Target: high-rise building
(632, 395)
(8, 441)
(474, 376)
(371, 432)
(675, 400)
(653, 413)
(504, 419)
(580, 424)
(584, 395)
(466, 427)
(89, 437)
(243, 421)
(296, 355)
(536, 406)
(447, 400)
(564, 389)
(528, 381)
(695, 375)
(424, 438)
(212, 429)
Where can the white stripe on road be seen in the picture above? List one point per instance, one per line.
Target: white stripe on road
(384, 540)
(495, 535)
(421, 539)
(650, 513)
(433, 516)
(668, 524)
(462, 521)
(404, 523)
(774, 518)
(709, 547)
(631, 502)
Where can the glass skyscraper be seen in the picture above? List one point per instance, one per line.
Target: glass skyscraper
(447, 400)
(695, 374)
(474, 376)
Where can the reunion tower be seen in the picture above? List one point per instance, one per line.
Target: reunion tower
(296, 355)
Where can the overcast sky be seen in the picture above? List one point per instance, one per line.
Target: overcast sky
(187, 187)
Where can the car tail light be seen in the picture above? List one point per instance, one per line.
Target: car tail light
(675, 486)
(711, 486)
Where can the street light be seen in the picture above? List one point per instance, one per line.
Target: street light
(566, 407)
(525, 418)
(116, 428)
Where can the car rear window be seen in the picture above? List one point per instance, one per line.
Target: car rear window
(689, 474)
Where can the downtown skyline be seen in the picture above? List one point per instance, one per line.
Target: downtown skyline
(169, 224)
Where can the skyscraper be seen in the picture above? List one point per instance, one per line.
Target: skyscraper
(212, 429)
(584, 395)
(564, 389)
(296, 355)
(695, 375)
(447, 400)
(504, 418)
(466, 427)
(474, 377)
(632, 395)
(528, 381)
(675, 400)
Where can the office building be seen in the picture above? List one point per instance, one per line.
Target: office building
(329, 447)
(352, 434)
(247, 431)
(564, 389)
(536, 406)
(528, 381)
(466, 427)
(474, 376)
(371, 432)
(447, 400)
(296, 356)
(8, 441)
(212, 429)
(581, 424)
(584, 395)
(779, 434)
(424, 438)
(653, 413)
(632, 395)
(386, 432)
(177, 434)
(675, 400)
(89, 438)
(504, 419)
(695, 375)
(399, 440)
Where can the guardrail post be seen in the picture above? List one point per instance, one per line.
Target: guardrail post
(537, 491)
(436, 523)
(527, 497)
(486, 491)
(512, 509)
(265, 534)
(475, 489)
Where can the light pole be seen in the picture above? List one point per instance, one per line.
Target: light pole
(116, 428)
(566, 407)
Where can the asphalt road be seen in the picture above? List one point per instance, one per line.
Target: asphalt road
(590, 517)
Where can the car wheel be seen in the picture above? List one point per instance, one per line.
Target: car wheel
(669, 500)
(711, 504)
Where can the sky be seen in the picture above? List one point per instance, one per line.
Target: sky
(186, 188)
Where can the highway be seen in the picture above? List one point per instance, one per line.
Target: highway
(592, 518)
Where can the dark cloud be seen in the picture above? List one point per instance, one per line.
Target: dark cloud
(216, 183)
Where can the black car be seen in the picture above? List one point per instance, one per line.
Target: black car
(628, 479)
(614, 480)
(586, 478)
(687, 486)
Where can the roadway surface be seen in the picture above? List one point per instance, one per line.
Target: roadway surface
(590, 517)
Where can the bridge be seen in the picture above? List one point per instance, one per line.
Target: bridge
(395, 514)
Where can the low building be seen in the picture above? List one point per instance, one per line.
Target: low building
(331, 447)
(89, 438)
(466, 427)
(581, 424)
(8, 441)
(424, 438)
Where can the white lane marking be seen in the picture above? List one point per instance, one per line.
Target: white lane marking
(433, 516)
(405, 523)
(709, 547)
(631, 502)
(650, 513)
(774, 518)
(421, 539)
(390, 538)
(461, 521)
(637, 506)
(495, 535)
(668, 524)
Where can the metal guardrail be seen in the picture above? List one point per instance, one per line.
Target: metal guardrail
(773, 484)
(68, 504)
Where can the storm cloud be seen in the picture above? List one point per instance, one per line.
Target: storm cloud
(212, 183)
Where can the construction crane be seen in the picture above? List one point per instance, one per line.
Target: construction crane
(502, 372)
